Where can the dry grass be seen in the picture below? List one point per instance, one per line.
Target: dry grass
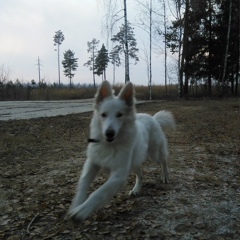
(62, 93)
(142, 92)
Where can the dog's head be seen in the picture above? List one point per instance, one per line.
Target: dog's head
(114, 111)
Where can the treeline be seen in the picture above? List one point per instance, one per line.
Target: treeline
(17, 91)
(206, 34)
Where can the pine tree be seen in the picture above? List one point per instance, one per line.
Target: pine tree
(101, 62)
(69, 64)
(120, 48)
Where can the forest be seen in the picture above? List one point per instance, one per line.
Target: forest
(202, 37)
(208, 35)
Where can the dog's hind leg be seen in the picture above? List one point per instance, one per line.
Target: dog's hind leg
(138, 185)
(165, 174)
(160, 155)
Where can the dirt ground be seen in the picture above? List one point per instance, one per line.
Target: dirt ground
(41, 160)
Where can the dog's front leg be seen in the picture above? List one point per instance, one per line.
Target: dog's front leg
(89, 172)
(100, 197)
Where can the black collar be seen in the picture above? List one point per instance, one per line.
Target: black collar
(92, 140)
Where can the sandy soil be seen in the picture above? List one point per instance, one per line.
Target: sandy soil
(41, 160)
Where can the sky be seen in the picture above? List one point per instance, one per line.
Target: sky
(27, 29)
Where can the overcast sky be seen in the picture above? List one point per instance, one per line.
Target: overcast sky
(27, 29)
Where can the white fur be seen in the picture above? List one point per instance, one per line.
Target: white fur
(125, 139)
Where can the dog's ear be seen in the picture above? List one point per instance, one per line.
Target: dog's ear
(103, 92)
(127, 94)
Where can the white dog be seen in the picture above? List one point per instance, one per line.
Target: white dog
(120, 140)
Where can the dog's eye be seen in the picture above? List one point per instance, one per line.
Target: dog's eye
(104, 115)
(119, 115)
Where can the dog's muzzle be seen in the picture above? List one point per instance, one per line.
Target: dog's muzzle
(110, 134)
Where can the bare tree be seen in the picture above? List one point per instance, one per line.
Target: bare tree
(92, 49)
(175, 34)
(113, 18)
(146, 59)
(115, 60)
(146, 23)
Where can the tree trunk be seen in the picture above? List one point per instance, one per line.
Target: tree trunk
(104, 73)
(223, 87)
(184, 61)
(93, 61)
(165, 49)
(114, 74)
(210, 50)
(58, 67)
(70, 79)
(150, 53)
(238, 64)
(232, 82)
(181, 75)
(39, 70)
(180, 79)
(127, 78)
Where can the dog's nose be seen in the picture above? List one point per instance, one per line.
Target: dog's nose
(110, 135)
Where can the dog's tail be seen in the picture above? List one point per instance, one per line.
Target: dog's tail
(166, 120)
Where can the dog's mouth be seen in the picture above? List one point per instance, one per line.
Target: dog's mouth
(110, 139)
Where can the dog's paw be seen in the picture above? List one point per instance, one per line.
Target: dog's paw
(134, 193)
(165, 179)
(79, 213)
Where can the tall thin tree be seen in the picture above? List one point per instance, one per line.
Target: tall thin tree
(175, 40)
(165, 46)
(39, 71)
(150, 51)
(58, 38)
(146, 24)
(210, 48)
(227, 47)
(127, 77)
(113, 19)
(238, 51)
(115, 60)
(92, 49)
(184, 60)
(179, 17)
